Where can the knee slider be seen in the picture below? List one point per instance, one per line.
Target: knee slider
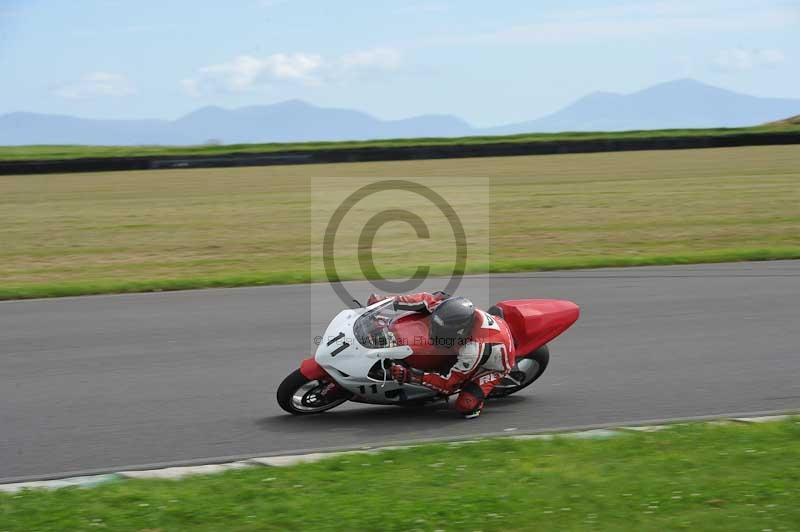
(471, 398)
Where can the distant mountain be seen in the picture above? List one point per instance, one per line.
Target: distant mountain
(295, 120)
(683, 103)
(292, 120)
(676, 104)
(35, 128)
(791, 121)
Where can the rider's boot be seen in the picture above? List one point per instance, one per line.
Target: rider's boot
(470, 401)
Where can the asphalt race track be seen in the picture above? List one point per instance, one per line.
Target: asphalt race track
(98, 383)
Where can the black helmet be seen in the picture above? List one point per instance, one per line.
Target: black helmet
(451, 321)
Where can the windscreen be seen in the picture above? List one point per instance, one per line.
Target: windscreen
(372, 328)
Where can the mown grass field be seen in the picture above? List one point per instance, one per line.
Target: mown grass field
(693, 477)
(12, 153)
(169, 229)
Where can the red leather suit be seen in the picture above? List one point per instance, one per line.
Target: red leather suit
(482, 360)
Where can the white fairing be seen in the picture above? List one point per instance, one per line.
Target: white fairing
(349, 362)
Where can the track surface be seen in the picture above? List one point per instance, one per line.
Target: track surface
(109, 381)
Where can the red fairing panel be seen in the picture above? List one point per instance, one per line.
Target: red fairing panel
(313, 371)
(420, 302)
(534, 322)
(413, 330)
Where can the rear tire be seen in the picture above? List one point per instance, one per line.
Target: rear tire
(300, 396)
(541, 357)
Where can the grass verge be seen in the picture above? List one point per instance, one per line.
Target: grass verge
(75, 234)
(46, 152)
(691, 477)
(70, 289)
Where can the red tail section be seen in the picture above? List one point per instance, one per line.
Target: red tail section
(534, 322)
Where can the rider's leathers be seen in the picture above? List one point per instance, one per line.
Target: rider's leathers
(482, 360)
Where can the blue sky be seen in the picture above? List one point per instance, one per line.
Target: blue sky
(488, 62)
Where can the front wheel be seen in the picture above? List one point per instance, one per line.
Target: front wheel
(301, 396)
(524, 373)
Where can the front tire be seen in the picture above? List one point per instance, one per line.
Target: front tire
(526, 370)
(301, 396)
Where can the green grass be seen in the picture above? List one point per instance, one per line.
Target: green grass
(78, 288)
(11, 153)
(75, 234)
(693, 477)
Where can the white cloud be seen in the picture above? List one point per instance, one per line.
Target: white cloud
(96, 84)
(377, 58)
(271, 3)
(246, 72)
(422, 8)
(641, 19)
(744, 59)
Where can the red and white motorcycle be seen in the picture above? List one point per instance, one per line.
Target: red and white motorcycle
(359, 346)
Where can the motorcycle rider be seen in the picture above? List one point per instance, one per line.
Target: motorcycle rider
(483, 346)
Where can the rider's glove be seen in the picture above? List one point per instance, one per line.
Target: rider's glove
(400, 373)
(374, 298)
(403, 374)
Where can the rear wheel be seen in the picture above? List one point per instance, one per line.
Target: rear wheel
(301, 396)
(524, 373)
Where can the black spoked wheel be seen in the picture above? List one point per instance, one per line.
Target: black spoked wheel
(524, 373)
(301, 396)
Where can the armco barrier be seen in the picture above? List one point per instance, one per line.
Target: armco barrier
(398, 153)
